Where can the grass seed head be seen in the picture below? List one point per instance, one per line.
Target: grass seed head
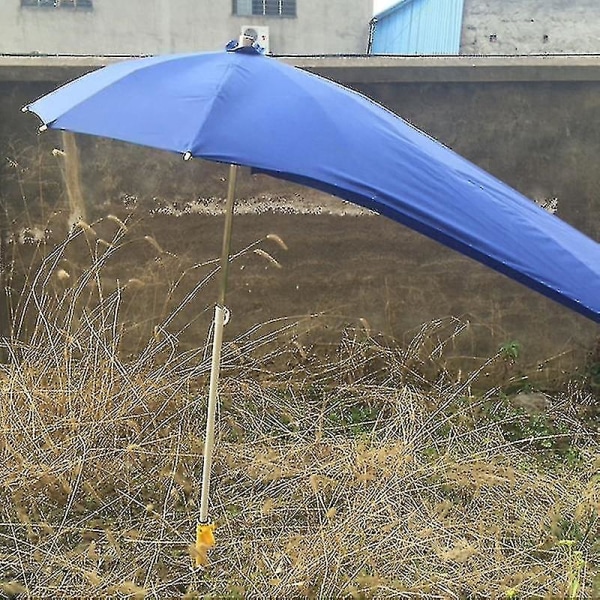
(118, 221)
(87, 229)
(275, 238)
(62, 275)
(268, 257)
(152, 241)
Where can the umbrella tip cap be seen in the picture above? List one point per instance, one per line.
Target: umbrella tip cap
(245, 45)
(25, 109)
(43, 128)
(205, 540)
(187, 155)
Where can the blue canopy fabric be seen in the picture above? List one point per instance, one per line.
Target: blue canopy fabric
(253, 110)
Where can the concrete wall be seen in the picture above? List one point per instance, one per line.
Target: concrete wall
(161, 26)
(531, 27)
(535, 123)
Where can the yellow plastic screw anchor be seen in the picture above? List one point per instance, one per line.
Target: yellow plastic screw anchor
(205, 540)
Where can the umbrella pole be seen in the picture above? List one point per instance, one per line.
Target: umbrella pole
(204, 535)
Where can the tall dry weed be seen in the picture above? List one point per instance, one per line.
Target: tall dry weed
(368, 474)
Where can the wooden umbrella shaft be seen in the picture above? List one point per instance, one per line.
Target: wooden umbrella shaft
(226, 250)
(219, 322)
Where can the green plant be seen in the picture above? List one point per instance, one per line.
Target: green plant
(357, 417)
(510, 351)
(575, 566)
(592, 375)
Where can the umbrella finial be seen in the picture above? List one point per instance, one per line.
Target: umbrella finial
(246, 43)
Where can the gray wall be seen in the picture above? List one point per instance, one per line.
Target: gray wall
(160, 26)
(534, 123)
(520, 27)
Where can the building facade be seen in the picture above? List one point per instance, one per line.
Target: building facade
(135, 27)
(531, 27)
(418, 27)
(500, 27)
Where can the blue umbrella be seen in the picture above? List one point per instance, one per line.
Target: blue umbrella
(243, 108)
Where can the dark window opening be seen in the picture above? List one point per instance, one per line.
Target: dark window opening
(87, 4)
(264, 8)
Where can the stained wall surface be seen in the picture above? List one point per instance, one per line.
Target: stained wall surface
(530, 27)
(539, 134)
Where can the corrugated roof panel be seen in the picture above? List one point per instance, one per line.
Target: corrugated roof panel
(419, 27)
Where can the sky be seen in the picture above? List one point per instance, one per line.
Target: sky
(379, 5)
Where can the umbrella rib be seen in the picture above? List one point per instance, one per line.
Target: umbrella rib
(209, 112)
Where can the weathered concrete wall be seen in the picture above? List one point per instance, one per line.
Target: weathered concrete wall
(530, 26)
(541, 136)
(160, 26)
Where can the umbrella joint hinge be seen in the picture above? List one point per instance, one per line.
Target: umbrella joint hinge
(226, 314)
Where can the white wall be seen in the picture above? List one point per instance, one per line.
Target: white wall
(160, 26)
(571, 26)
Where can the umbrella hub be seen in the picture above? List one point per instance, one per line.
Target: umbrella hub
(247, 44)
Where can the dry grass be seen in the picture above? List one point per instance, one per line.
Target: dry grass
(349, 476)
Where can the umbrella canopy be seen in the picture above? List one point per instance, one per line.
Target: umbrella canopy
(249, 109)
(245, 109)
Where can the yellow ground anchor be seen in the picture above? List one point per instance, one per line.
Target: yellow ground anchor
(205, 540)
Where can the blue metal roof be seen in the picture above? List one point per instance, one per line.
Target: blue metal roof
(419, 27)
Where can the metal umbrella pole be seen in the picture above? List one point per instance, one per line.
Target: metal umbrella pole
(204, 531)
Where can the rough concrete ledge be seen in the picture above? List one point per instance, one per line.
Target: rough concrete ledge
(361, 69)
(397, 69)
(36, 68)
